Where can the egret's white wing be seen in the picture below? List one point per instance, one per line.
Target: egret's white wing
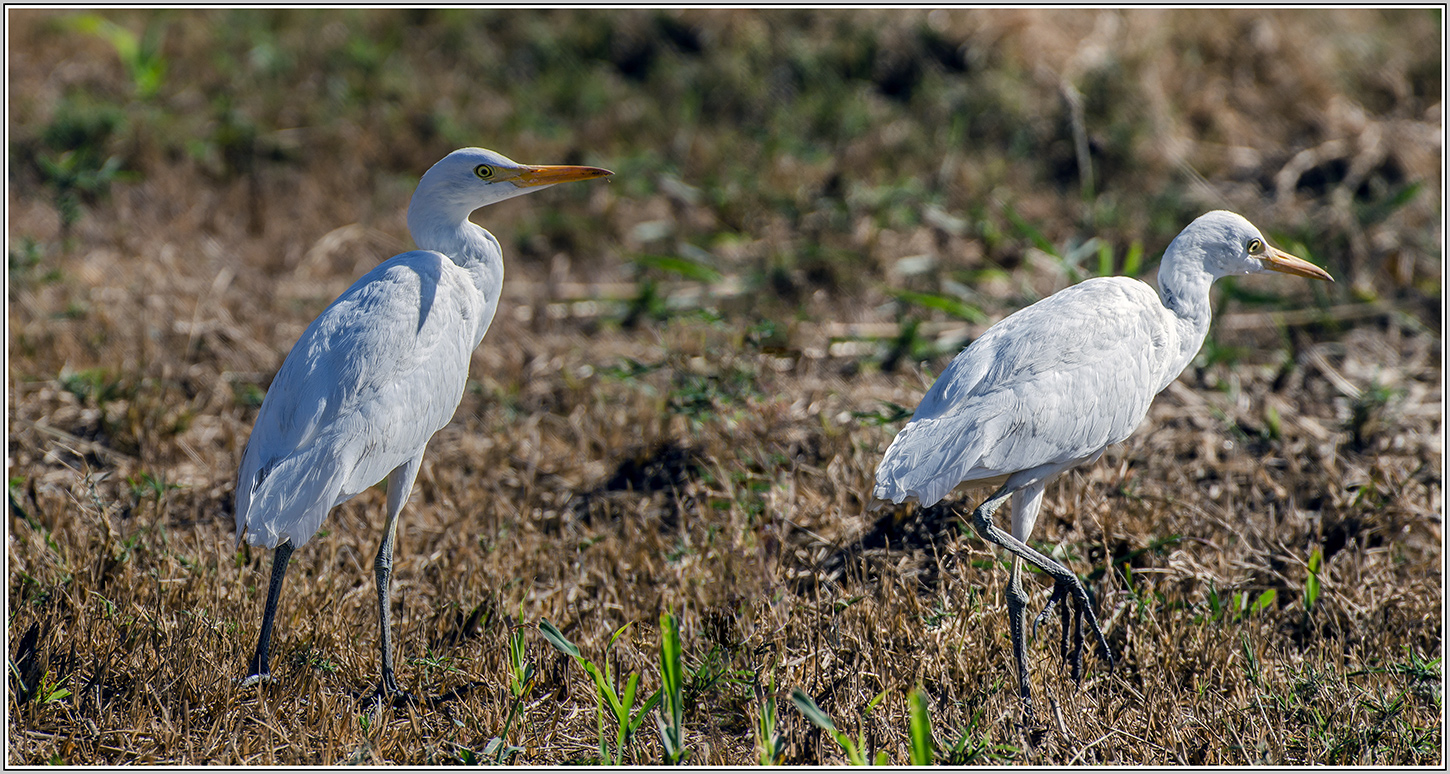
(368, 383)
(1053, 384)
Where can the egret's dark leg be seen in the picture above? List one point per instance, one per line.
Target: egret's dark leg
(1076, 656)
(1059, 591)
(1072, 656)
(400, 485)
(260, 668)
(1066, 654)
(1062, 576)
(1016, 606)
(383, 570)
(1026, 502)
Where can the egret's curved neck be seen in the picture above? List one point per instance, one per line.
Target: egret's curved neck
(1183, 285)
(437, 224)
(443, 226)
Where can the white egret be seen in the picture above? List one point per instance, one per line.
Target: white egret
(1053, 385)
(377, 374)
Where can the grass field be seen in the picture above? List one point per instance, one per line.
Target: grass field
(695, 369)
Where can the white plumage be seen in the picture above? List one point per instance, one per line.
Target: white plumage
(1000, 389)
(1055, 384)
(378, 373)
(366, 386)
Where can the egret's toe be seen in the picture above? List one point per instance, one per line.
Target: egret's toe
(257, 679)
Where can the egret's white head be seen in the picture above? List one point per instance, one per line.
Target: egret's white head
(1228, 244)
(469, 178)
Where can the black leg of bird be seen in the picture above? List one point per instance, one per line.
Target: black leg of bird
(1072, 616)
(1058, 592)
(383, 569)
(1072, 655)
(1016, 607)
(1076, 657)
(1064, 579)
(261, 667)
(400, 485)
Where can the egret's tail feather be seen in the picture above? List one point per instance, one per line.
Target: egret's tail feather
(289, 503)
(921, 463)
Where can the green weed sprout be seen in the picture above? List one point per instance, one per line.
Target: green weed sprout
(772, 747)
(1311, 584)
(920, 728)
(521, 680)
(626, 718)
(671, 717)
(975, 746)
(854, 750)
(140, 54)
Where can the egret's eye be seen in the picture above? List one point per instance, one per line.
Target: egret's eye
(484, 172)
(1256, 246)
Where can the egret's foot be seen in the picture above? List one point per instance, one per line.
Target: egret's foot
(1074, 608)
(1059, 592)
(1085, 610)
(1075, 656)
(1092, 619)
(1029, 714)
(255, 679)
(1066, 621)
(391, 695)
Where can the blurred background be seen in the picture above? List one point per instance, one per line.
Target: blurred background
(812, 211)
(795, 164)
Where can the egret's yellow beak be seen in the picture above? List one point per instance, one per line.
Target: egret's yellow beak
(1277, 260)
(549, 175)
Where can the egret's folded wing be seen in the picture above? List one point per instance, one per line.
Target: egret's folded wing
(1051, 384)
(365, 387)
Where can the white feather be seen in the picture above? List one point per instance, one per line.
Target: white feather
(1056, 383)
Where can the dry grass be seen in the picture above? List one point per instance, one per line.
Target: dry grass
(707, 448)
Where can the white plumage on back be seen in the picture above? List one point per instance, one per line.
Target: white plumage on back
(1051, 385)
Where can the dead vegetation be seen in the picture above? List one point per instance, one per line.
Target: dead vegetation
(696, 367)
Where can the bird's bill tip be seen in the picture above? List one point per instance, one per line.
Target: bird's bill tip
(550, 174)
(1280, 261)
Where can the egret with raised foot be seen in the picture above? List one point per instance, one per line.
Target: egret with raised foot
(1052, 386)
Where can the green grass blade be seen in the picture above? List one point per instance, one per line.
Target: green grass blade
(813, 713)
(1030, 231)
(1311, 584)
(671, 693)
(684, 267)
(808, 707)
(639, 717)
(627, 703)
(1251, 659)
(558, 640)
(1133, 262)
(1265, 599)
(921, 740)
(951, 306)
(621, 630)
